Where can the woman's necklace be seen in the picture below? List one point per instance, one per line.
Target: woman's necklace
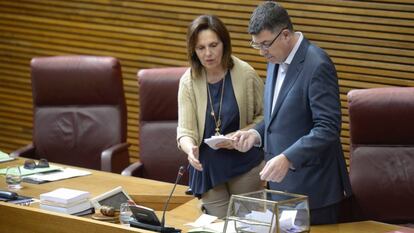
(217, 119)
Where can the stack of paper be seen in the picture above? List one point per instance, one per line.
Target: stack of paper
(63, 200)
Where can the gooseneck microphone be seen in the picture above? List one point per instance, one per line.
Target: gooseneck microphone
(156, 225)
(179, 175)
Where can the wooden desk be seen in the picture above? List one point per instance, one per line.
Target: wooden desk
(357, 227)
(149, 193)
(191, 208)
(18, 219)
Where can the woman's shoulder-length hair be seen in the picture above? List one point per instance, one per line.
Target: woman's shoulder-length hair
(213, 23)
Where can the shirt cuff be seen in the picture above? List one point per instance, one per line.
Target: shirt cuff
(258, 136)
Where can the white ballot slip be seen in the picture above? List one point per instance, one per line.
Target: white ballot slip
(214, 140)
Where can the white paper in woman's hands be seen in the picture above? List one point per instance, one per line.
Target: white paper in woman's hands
(214, 140)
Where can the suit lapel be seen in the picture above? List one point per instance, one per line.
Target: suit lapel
(270, 89)
(292, 75)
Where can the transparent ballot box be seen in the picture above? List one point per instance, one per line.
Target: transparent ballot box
(267, 211)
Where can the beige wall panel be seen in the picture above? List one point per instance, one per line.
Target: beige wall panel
(371, 44)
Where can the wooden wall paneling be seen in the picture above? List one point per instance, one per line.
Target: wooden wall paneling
(370, 42)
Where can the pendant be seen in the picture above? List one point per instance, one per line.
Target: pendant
(217, 131)
(212, 113)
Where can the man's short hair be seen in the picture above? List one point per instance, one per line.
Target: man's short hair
(269, 16)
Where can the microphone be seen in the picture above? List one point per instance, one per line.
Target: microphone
(181, 171)
(156, 225)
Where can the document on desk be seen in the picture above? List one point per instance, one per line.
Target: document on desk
(64, 173)
(216, 227)
(203, 220)
(4, 157)
(206, 223)
(27, 172)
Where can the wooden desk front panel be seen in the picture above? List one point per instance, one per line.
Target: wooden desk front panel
(20, 219)
(150, 193)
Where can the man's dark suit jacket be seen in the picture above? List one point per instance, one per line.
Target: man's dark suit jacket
(305, 126)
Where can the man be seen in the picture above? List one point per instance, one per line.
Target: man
(300, 132)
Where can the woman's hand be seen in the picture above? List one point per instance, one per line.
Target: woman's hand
(188, 145)
(193, 158)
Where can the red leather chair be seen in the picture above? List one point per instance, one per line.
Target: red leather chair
(160, 158)
(79, 112)
(382, 153)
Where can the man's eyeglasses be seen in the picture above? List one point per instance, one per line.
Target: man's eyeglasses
(31, 164)
(265, 46)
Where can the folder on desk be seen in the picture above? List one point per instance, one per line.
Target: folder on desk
(62, 174)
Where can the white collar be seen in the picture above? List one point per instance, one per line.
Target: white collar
(295, 49)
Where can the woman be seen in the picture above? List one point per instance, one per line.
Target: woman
(218, 95)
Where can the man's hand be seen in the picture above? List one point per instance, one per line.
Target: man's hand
(228, 144)
(244, 140)
(275, 169)
(193, 158)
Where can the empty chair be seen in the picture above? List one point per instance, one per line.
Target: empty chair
(160, 158)
(382, 153)
(79, 112)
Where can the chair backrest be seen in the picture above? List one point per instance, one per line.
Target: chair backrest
(158, 90)
(382, 153)
(79, 108)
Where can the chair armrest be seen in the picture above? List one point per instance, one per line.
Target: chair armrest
(115, 158)
(27, 151)
(135, 169)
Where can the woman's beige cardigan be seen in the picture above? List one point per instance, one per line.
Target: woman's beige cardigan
(192, 100)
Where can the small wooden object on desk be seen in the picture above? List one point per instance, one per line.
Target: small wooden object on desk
(107, 214)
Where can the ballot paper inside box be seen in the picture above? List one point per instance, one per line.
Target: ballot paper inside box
(268, 211)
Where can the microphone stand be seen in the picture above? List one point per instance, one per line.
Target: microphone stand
(162, 227)
(179, 175)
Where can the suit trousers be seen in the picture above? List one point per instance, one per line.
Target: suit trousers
(215, 201)
(325, 215)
